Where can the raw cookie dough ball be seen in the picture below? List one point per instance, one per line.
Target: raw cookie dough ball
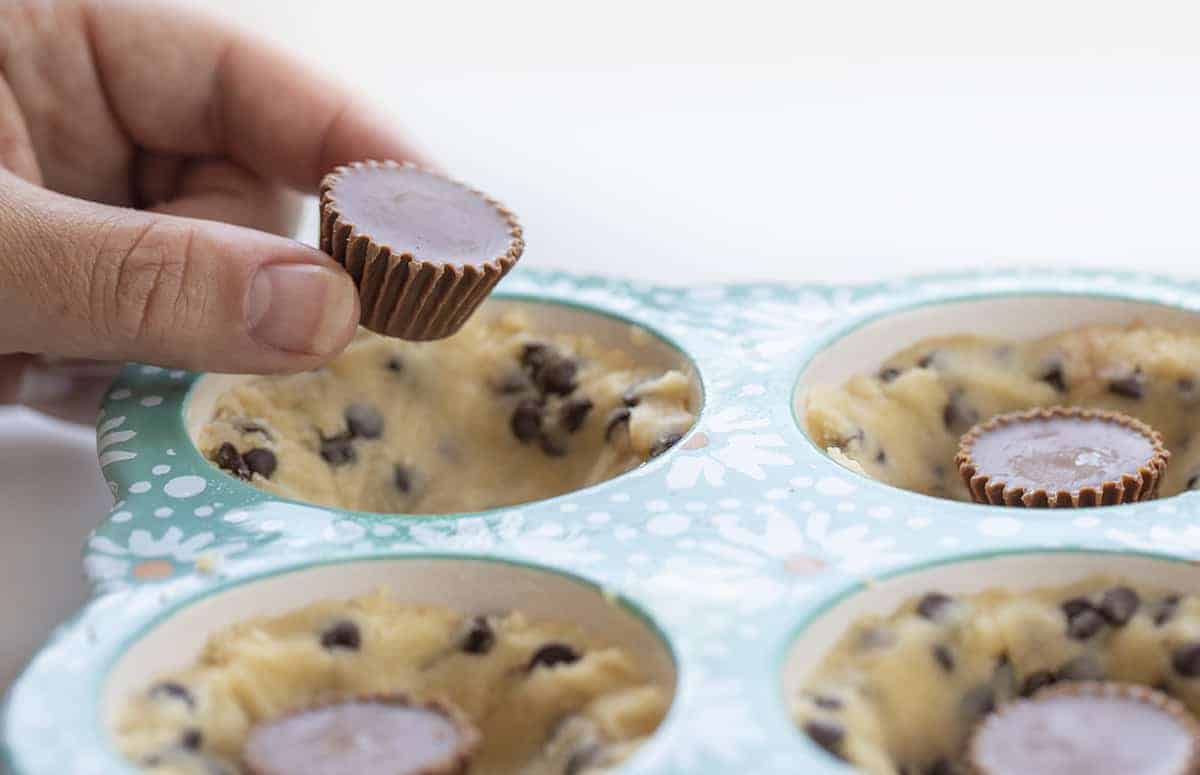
(902, 425)
(900, 695)
(490, 417)
(543, 696)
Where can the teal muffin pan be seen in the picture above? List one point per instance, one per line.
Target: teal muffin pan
(728, 565)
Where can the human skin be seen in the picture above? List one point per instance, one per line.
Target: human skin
(150, 158)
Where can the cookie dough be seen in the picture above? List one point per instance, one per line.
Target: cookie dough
(493, 416)
(902, 425)
(546, 698)
(900, 695)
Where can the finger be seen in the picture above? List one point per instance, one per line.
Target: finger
(181, 83)
(80, 279)
(81, 148)
(221, 191)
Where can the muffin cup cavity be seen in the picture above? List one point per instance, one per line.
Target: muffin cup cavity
(933, 588)
(547, 411)
(870, 368)
(471, 586)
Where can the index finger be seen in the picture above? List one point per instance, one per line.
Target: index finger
(181, 82)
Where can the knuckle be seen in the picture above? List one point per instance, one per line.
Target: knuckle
(143, 280)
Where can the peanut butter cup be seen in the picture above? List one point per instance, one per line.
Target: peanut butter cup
(1062, 457)
(386, 734)
(424, 250)
(1088, 728)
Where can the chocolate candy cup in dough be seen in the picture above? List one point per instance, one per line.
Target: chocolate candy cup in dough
(423, 250)
(386, 734)
(1062, 457)
(1088, 728)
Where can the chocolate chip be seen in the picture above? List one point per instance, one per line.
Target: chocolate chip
(1192, 482)
(1118, 605)
(173, 690)
(552, 445)
(664, 443)
(480, 637)
(553, 654)
(395, 364)
(1186, 659)
(933, 605)
(1083, 668)
(1038, 679)
(261, 461)
(342, 634)
(534, 355)
(1083, 619)
(957, 414)
(1165, 610)
(526, 422)
(582, 758)
(630, 397)
(944, 657)
(228, 458)
(618, 418)
(888, 374)
(881, 457)
(573, 412)
(826, 702)
(192, 739)
(402, 478)
(1075, 606)
(827, 734)
(1085, 624)
(1128, 387)
(338, 450)
(557, 376)
(364, 421)
(1054, 377)
(927, 360)
(1186, 386)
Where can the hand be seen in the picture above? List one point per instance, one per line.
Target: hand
(148, 158)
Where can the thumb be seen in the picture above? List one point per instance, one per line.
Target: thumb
(87, 280)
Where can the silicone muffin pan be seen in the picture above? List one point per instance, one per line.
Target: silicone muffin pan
(728, 565)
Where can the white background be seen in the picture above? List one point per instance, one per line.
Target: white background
(687, 142)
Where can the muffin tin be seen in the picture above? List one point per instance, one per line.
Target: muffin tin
(729, 565)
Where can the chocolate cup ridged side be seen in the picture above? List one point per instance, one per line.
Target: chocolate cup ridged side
(1168, 705)
(469, 741)
(400, 295)
(1129, 489)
